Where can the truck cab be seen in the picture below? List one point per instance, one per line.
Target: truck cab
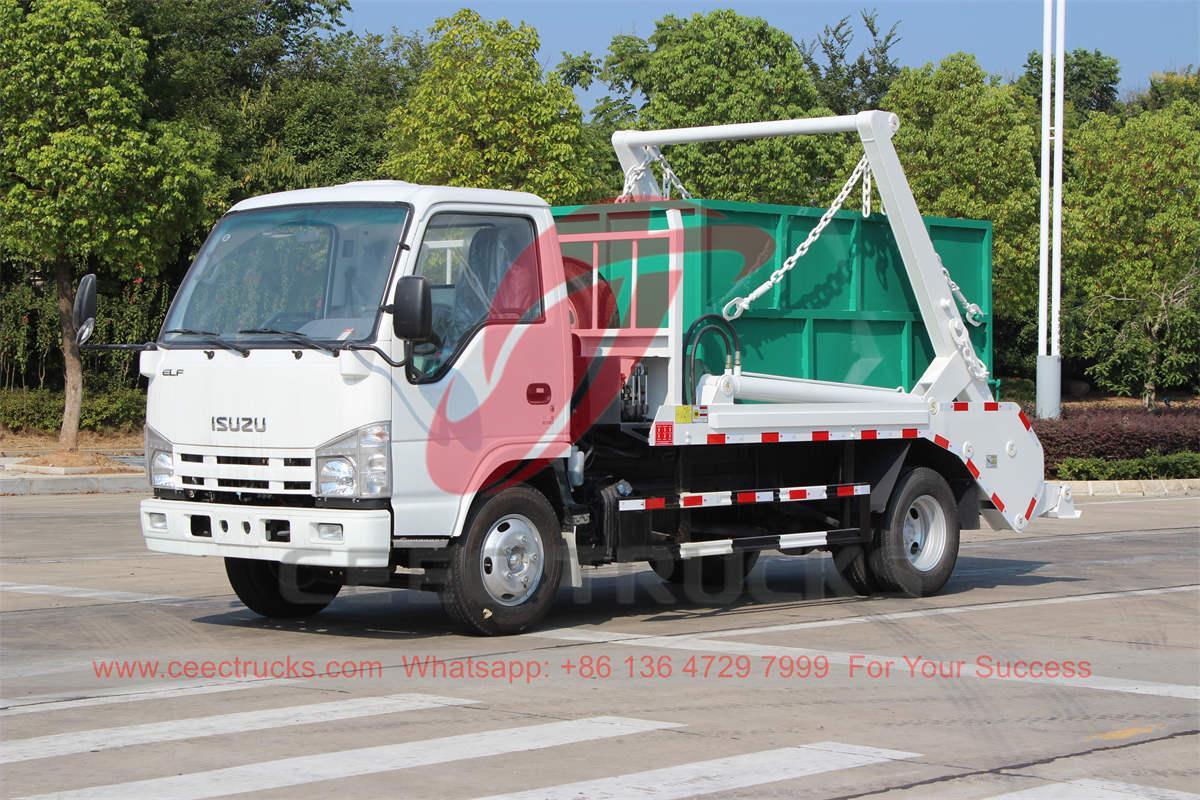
(287, 423)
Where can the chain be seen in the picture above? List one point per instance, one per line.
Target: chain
(638, 171)
(738, 305)
(971, 311)
(866, 209)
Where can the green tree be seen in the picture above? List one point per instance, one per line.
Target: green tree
(609, 114)
(722, 67)
(848, 86)
(87, 181)
(322, 118)
(1089, 82)
(1133, 217)
(483, 113)
(968, 145)
(1165, 88)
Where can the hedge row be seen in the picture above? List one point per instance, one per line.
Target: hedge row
(40, 410)
(1118, 433)
(1175, 465)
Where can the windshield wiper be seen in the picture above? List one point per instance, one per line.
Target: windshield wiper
(213, 338)
(297, 337)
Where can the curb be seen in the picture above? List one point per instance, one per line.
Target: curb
(73, 484)
(1183, 487)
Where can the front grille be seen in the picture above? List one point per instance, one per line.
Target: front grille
(243, 460)
(232, 483)
(211, 468)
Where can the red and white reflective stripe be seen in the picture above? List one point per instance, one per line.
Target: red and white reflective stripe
(1032, 506)
(793, 493)
(775, 437)
(962, 406)
(744, 497)
(996, 502)
(705, 499)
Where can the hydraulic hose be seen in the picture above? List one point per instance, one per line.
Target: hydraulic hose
(691, 340)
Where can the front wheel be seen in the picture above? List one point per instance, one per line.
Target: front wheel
(281, 590)
(505, 569)
(917, 547)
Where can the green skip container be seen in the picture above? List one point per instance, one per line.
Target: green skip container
(845, 312)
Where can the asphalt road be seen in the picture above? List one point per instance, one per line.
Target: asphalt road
(1060, 663)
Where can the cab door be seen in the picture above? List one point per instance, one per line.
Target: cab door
(491, 388)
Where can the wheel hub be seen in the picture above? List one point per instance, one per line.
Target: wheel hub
(511, 561)
(925, 533)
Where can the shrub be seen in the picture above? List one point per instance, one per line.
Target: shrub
(1118, 433)
(1175, 465)
(40, 410)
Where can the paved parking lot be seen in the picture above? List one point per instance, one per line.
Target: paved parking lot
(1061, 663)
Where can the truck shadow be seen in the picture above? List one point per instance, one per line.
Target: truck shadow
(633, 593)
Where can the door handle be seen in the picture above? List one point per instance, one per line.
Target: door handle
(538, 394)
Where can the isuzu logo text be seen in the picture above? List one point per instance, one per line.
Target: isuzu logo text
(240, 424)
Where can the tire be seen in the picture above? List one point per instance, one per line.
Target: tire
(281, 591)
(851, 563)
(493, 597)
(713, 571)
(917, 547)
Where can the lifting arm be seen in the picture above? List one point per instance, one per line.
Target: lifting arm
(949, 375)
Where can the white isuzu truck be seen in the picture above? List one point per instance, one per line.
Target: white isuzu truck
(465, 391)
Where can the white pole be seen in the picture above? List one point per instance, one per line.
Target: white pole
(1049, 361)
(1044, 208)
(1060, 59)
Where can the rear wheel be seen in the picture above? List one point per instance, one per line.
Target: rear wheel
(917, 548)
(505, 569)
(714, 571)
(281, 590)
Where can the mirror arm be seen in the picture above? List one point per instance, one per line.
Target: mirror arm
(374, 349)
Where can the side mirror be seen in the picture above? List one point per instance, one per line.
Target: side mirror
(412, 309)
(84, 313)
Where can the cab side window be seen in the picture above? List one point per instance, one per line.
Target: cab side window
(482, 269)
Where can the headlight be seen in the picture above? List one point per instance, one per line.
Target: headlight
(358, 464)
(160, 462)
(337, 478)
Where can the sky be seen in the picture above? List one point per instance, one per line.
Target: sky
(1144, 35)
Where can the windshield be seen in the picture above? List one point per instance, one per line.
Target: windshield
(316, 270)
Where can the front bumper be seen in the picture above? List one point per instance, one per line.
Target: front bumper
(248, 531)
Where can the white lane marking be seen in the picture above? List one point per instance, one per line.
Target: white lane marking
(286, 772)
(938, 612)
(1072, 538)
(1096, 790)
(85, 594)
(606, 636)
(63, 744)
(718, 774)
(970, 669)
(60, 701)
(1151, 499)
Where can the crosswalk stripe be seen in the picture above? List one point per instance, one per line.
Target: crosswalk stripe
(63, 701)
(718, 774)
(1096, 790)
(85, 594)
(62, 744)
(286, 772)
